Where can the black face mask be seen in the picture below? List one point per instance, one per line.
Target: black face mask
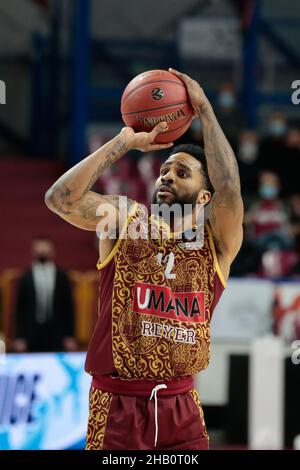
(42, 259)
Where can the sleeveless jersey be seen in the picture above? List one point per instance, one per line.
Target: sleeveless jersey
(156, 300)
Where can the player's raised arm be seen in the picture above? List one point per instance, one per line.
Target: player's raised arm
(226, 208)
(70, 196)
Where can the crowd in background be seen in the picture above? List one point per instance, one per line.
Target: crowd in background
(268, 162)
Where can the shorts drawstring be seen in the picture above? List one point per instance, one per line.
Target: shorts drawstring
(154, 393)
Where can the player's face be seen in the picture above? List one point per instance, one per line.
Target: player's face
(180, 181)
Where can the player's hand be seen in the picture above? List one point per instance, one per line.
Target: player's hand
(197, 97)
(145, 141)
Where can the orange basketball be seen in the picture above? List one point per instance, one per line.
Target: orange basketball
(156, 96)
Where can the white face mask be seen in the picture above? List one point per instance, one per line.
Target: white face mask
(196, 125)
(277, 128)
(268, 191)
(248, 152)
(226, 99)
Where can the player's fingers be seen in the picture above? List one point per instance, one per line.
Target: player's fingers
(181, 75)
(160, 127)
(176, 72)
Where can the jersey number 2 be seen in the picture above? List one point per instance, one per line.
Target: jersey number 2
(169, 259)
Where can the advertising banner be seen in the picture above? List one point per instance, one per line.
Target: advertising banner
(244, 311)
(43, 401)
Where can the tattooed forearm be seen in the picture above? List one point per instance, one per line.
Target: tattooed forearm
(59, 197)
(88, 209)
(118, 149)
(69, 190)
(221, 162)
(88, 206)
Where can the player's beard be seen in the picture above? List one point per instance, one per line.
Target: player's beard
(186, 202)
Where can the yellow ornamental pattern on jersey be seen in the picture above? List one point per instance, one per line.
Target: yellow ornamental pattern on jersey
(98, 413)
(158, 357)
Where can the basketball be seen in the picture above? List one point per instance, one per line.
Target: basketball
(155, 96)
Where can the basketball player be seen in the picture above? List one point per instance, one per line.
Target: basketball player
(156, 296)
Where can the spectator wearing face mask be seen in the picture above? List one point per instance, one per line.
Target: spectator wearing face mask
(267, 220)
(228, 112)
(277, 127)
(267, 228)
(273, 147)
(44, 316)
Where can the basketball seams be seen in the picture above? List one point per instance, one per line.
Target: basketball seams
(142, 85)
(141, 112)
(155, 109)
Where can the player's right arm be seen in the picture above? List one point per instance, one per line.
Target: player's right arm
(71, 197)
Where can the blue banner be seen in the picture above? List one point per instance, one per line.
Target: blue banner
(43, 401)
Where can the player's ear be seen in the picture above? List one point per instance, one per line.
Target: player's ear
(204, 197)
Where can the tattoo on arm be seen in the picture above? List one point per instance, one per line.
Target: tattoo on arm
(118, 149)
(67, 193)
(61, 198)
(221, 162)
(226, 206)
(89, 205)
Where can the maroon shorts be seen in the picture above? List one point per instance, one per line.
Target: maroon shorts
(122, 416)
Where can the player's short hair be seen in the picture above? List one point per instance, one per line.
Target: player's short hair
(197, 152)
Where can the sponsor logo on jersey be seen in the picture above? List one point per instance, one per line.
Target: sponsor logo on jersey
(160, 301)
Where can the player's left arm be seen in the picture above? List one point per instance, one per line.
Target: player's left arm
(226, 207)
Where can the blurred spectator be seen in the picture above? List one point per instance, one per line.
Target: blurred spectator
(267, 220)
(268, 237)
(295, 268)
(277, 263)
(44, 309)
(277, 125)
(290, 163)
(293, 139)
(228, 113)
(273, 147)
(122, 179)
(247, 156)
(287, 316)
(294, 205)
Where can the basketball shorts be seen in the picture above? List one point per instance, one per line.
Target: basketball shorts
(145, 415)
